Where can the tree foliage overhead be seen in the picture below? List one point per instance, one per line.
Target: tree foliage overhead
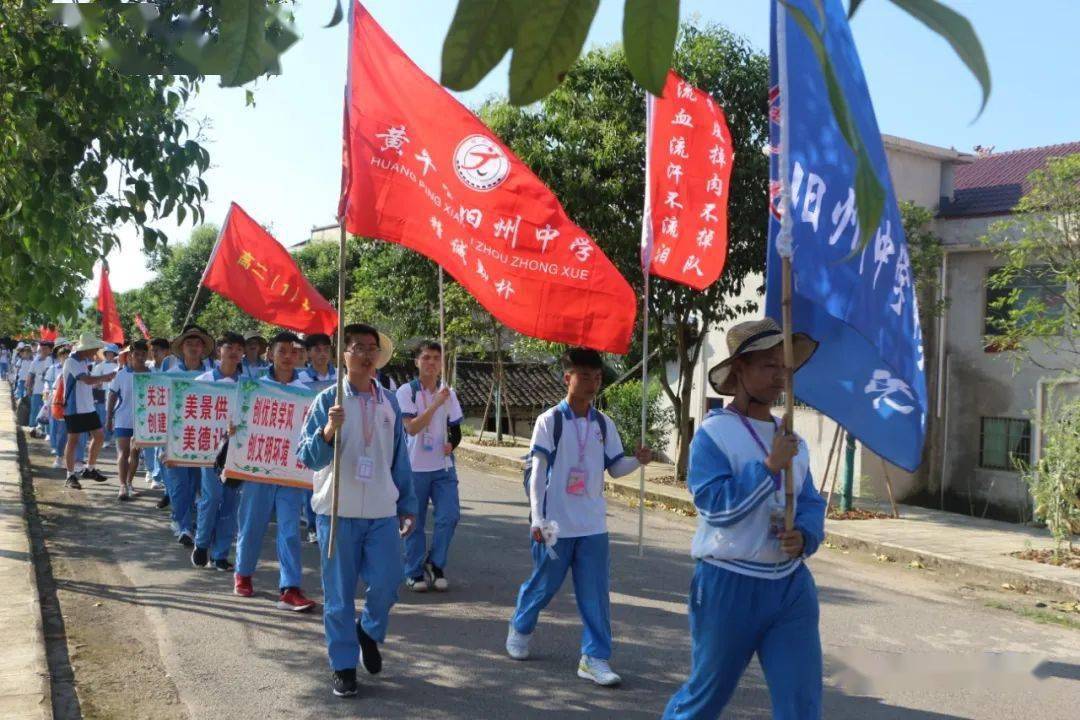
(84, 149)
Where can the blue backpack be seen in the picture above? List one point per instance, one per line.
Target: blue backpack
(556, 436)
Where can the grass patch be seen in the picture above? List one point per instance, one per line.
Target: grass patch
(1044, 617)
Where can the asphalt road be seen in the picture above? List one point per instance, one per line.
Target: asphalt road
(899, 643)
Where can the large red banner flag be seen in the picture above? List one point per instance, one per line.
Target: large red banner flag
(111, 330)
(688, 169)
(251, 268)
(420, 169)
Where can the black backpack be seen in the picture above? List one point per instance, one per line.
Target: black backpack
(556, 433)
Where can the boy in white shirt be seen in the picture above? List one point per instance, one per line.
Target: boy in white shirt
(35, 383)
(432, 418)
(376, 504)
(80, 416)
(572, 445)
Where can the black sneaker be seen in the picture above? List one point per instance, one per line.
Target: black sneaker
(185, 540)
(223, 565)
(199, 556)
(344, 682)
(73, 482)
(163, 502)
(434, 576)
(93, 474)
(370, 656)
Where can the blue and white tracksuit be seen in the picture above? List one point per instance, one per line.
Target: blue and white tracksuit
(584, 451)
(368, 544)
(217, 504)
(182, 483)
(434, 478)
(747, 596)
(258, 503)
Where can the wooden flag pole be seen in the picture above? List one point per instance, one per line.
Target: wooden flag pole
(789, 395)
(339, 397)
(644, 414)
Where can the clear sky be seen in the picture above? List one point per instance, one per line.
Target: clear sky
(281, 159)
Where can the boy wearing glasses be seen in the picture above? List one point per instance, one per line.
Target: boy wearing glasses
(376, 504)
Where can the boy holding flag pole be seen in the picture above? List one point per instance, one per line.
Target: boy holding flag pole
(365, 503)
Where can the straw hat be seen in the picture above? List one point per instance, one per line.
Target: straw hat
(87, 341)
(386, 348)
(750, 337)
(196, 332)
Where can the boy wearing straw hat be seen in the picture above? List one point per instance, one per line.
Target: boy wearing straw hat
(80, 416)
(432, 418)
(261, 501)
(572, 445)
(751, 591)
(189, 353)
(376, 504)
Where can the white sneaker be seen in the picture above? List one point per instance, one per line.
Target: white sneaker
(57, 463)
(148, 479)
(417, 584)
(517, 644)
(155, 485)
(597, 670)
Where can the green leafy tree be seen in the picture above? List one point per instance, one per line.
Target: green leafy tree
(1035, 294)
(924, 248)
(622, 403)
(592, 155)
(1054, 479)
(84, 148)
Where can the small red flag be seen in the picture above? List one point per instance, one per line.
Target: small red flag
(685, 236)
(47, 333)
(142, 326)
(251, 268)
(420, 169)
(111, 330)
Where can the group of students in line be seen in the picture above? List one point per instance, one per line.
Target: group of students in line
(751, 592)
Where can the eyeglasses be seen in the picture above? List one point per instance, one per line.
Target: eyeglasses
(358, 349)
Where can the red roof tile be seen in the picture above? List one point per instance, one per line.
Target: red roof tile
(992, 185)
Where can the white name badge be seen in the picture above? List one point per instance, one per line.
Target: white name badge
(427, 441)
(365, 469)
(575, 483)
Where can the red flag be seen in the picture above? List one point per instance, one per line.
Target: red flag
(420, 169)
(685, 236)
(142, 326)
(252, 269)
(47, 333)
(111, 330)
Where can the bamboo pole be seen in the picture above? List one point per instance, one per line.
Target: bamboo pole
(888, 488)
(832, 451)
(644, 414)
(789, 395)
(340, 397)
(442, 327)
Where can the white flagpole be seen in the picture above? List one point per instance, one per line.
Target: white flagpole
(442, 325)
(646, 261)
(209, 262)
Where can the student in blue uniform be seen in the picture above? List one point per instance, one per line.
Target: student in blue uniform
(190, 351)
(752, 592)
(254, 364)
(376, 504)
(572, 445)
(261, 501)
(319, 371)
(217, 504)
(35, 382)
(432, 417)
(155, 472)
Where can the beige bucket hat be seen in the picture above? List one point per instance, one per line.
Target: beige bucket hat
(748, 337)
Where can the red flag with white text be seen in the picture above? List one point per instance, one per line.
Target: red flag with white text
(421, 170)
(685, 237)
(142, 326)
(251, 268)
(111, 329)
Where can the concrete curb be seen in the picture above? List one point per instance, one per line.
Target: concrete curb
(25, 684)
(678, 500)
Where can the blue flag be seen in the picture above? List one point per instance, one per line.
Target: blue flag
(868, 374)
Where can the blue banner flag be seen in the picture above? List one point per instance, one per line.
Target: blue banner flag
(869, 372)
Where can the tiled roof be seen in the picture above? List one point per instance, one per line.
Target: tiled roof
(527, 385)
(992, 185)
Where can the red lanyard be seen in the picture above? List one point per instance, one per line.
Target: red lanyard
(367, 419)
(582, 438)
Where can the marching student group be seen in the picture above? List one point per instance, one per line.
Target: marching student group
(751, 591)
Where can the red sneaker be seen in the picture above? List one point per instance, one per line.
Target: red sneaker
(293, 599)
(242, 586)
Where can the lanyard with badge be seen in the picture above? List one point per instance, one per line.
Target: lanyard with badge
(577, 481)
(365, 464)
(776, 515)
(427, 438)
